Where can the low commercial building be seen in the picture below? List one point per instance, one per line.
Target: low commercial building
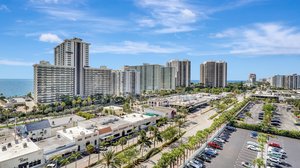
(161, 111)
(56, 145)
(80, 136)
(114, 109)
(38, 130)
(140, 121)
(21, 153)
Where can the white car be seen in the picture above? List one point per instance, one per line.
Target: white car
(275, 160)
(193, 164)
(219, 140)
(254, 148)
(247, 164)
(252, 143)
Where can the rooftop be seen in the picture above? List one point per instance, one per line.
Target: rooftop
(17, 148)
(112, 121)
(161, 109)
(37, 125)
(75, 132)
(113, 107)
(135, 117)
(54, 143)
(61, 121)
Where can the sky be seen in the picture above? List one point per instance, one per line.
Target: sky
(252, 36)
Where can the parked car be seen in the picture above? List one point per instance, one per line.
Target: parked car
(275, 123)
(252, 143)
(276, 155)
(254, 148)
(214, 145)
(204, 158)
(219, 140)
(247, 164)
(270, 148)
(253, 134)
(230, 128)
(275, 160)
(273, 144)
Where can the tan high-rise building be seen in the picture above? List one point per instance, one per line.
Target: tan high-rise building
(182, 72)
(213, 74)
(73, 53)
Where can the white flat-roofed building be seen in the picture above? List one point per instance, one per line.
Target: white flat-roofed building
(140, 121)
(116, 109)
(80, 136)
(161, 111)
(57, 145)
(21, 154)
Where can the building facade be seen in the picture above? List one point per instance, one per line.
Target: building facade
(73, 53)
(153, 76)
(182, 72)
(97, 81)
(51, 82)
(213, 74)
(285, 81)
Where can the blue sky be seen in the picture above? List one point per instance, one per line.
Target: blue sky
(253, 36)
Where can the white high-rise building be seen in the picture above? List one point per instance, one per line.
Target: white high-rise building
(51, 82)
(97, 81)
(213, 74)
(182, 72)
(126, 82)
(73, 53)
(153, 76)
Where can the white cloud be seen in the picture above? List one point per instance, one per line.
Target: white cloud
(171, 16)
(49, 37)
(4, 8)
(130, 47)
(15, 63)
(53, 1)
(262, 39)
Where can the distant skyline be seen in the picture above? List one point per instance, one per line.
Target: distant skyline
(252, 36)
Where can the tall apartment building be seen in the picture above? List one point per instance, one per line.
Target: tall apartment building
(153, 76)
(252, 78)
(97, 80)
(51, 82)
(182, 72)
(73, 53)
(286, 81)
(213, 73)
(131, 82)
(70, 74)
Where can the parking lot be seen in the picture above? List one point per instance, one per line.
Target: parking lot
(286, 116)
(234, 152)
(292, 148)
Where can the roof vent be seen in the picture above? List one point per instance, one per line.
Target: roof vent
(4, 148)
(71, 132)
(25, 145)
(9, 145)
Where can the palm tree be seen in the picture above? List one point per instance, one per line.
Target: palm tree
(110, 159)
(122, 141)
(64, 162)
(90, 149)
(144, 141)
(102, 144)
(156, 136)
(57, 159)
(259, 162)
(75, 156)
(63, 105)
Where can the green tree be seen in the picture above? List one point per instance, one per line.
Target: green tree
(156, 136)
(144, 140)
(122, 141)
(63, 105)
(259, 162)
(64, 162)
(75, 156)
(110, 159)
(90, 149)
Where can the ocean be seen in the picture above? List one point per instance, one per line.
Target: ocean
(16, 87)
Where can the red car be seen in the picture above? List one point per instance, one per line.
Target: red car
(273, 144)
(214, 145)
